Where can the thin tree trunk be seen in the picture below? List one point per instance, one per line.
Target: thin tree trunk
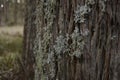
(15, 12)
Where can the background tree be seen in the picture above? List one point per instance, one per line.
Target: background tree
(1, 8)
(72, 40)
(12, 12)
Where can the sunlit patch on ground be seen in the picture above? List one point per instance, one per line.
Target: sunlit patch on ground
(12, 31)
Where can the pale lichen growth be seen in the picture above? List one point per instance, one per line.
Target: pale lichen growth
(37, 43)
(80, 13)
(44, 56)
(78, 43)
(48, 10)
(82, 10)
(103, 5)
(46, 39)
(60, 44)
(85, 32)
(62, 47)
(48, 60)
(77, 53)
(90, 2)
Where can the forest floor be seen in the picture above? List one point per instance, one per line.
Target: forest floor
(14, 30)
(11, 39)
(11, 46)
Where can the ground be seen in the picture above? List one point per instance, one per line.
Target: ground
(10, 50)
(11, 30)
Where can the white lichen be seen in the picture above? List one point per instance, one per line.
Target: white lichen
(76, 33)
(80, 13)
(83, 10)
(77, 53)
(60, 45)
(103, 5)
(45, 58)
(76, 37)
(113, 37)
(50, 61)
(50, 57)
(90, 2)
(73, 49)
(46, 40)
(78, 43)
(85, 32)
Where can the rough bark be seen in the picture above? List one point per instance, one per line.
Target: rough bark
(29, 37)
(72, 40)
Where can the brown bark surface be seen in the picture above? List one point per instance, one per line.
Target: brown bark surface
(100, 59)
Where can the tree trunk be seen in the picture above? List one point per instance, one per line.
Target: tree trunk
(29, 37)
(15, 12)
(0, 13)
(72, 40)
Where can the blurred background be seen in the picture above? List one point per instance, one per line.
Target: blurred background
(11, 36)
(11, 12)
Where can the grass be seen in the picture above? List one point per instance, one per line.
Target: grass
(13, 45)
(10, 52)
